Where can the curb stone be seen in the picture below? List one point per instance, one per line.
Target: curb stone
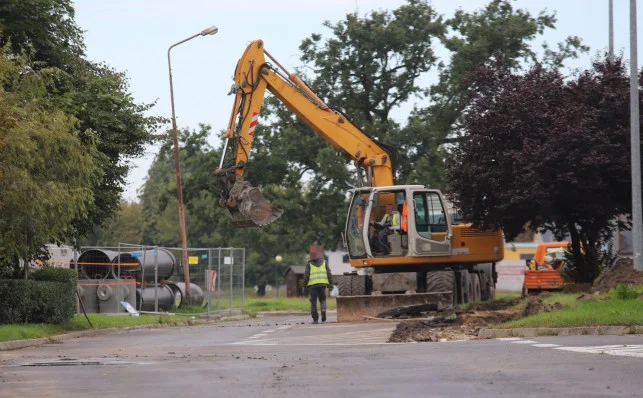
(574, 331)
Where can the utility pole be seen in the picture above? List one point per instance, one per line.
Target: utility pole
(635, 142)
(611, 29)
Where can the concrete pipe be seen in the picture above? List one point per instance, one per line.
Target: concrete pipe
(96, 264)
(145, 298)
(141, 264)
(196, 294)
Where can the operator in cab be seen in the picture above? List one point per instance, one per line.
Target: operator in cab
(317, 278)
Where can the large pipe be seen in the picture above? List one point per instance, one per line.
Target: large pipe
(145, 298)
(142, 264)
(96, 264)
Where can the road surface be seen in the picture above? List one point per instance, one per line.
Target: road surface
(286, 356)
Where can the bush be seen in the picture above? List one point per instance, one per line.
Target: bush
(626, 292)
(48, 296)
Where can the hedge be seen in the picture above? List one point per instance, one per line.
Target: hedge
(48, 296)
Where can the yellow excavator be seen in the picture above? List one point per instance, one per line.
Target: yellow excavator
(429, 259)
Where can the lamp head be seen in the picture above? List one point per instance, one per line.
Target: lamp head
(209, 31)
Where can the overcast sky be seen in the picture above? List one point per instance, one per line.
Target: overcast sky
(134, 35)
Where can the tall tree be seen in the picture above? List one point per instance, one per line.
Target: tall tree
(44, 30)
(371, 64)
(98, 96)
(545, 152)
(46, 170)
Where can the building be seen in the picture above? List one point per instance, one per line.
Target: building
(294, 276)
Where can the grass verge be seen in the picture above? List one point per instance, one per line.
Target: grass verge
(603, 310)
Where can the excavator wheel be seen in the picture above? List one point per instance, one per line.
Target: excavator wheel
(343, 283)
(441, 281)
(358, 285)
(477, 294)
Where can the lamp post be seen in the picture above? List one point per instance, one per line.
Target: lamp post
(184, 241)
(278, 259)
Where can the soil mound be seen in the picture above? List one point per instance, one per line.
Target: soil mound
(463, 326)
(621, 272)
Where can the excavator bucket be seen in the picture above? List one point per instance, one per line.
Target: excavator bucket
(252, 209)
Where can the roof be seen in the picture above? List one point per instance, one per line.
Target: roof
(297, 269)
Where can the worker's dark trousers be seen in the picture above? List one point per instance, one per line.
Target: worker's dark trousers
(317, 291)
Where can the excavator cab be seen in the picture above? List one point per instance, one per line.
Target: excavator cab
(397, 221)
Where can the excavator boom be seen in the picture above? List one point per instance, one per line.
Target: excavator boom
(253, 76)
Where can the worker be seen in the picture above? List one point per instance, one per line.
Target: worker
(391, 219)
(317, 278)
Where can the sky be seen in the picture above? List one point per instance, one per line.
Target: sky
(133, 36)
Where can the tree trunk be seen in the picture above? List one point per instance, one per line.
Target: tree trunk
(261, 290)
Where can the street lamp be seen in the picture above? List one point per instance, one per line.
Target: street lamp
(278, 259)
(184, 241)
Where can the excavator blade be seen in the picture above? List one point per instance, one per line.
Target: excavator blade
(360, 308)
(253, 210)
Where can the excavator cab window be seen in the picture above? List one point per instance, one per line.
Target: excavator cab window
(430, 217)
(355, 224)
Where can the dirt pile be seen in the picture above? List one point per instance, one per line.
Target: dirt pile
(465, 325)
(621, 272)
(535, 306)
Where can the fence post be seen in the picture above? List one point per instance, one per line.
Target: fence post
(156, 279)
(243, 278)
(231, 277)
(219, 278)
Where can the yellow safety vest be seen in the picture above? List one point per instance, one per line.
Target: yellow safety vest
(318, 274)
(394, 220)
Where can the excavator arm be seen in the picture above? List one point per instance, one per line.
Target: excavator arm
(253, 76)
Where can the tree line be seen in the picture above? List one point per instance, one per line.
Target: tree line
(515, 142)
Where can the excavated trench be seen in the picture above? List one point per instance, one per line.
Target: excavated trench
(464, 324)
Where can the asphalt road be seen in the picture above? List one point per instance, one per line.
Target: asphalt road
(286, 356)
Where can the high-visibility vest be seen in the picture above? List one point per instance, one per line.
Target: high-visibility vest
(395, 222)
(318, 274)
(405, 218)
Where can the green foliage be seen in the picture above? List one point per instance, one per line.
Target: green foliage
(68, 128)
(547, 152)
(586, 313)
(55, 274)
(46, 169)
(126, 227)
(29, 301)
(626, 292)
(44, 29)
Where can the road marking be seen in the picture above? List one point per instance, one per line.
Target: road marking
(331, 335)
(620, 350)
(624, 350)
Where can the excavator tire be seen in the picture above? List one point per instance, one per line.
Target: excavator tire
(467, 287)
(358, 285)
(344, 285)
(477, 294)
(441, 281)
